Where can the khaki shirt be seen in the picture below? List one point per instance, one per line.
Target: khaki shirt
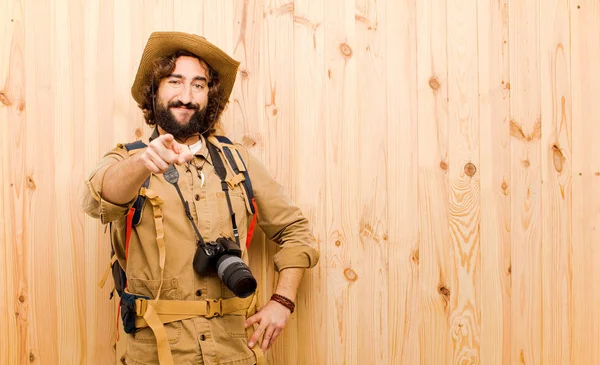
(218, 340)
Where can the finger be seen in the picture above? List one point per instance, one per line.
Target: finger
(167, 140)
(252, 320)
(151, 166)
(266, 341)
(185, 156)
(167, 155)
(276, 334)
(157, 160)
(259, 331)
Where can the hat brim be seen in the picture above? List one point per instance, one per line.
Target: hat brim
(162, 44)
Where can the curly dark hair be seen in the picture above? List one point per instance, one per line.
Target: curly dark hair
(163, 67)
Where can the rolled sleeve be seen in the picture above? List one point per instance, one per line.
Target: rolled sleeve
(93, 203)
(282, 220)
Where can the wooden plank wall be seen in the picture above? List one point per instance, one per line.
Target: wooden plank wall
(445, 151)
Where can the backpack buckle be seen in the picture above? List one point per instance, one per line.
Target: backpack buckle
(214, 307)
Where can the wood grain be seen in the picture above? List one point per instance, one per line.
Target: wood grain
(556, 147)
(280, 140)
(341, 179)
(309, 171)
(15, 195)
(398, 26)
(495, 181)
(526, 202)
(370, 248)
(434, 255)
(585, 86)
(464, 202)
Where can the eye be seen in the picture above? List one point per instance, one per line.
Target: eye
(174, 82)
(199, 86)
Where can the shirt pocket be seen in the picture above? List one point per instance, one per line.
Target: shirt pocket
(169, 291)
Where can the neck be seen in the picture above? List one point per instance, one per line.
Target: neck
(190, 140)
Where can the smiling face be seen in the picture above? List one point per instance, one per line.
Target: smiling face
(182, 98)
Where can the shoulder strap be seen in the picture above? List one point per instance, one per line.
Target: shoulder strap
(136, 210)
(247, 184)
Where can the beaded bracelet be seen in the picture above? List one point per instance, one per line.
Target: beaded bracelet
(284, 301)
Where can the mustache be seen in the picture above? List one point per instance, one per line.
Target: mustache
(179, 104)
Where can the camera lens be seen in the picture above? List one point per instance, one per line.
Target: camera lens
(236, 275)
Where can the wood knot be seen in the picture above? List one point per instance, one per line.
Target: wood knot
(346, 50)
(444, 165)
(526, 163)
(507, 86)
(275, 111)
(4, 99)
(138, 133)
(22, 298)
(248, 142)
(31, 357)
(578, 6)
(509, 269)
(415, 256)
(244, 74)
(434, 84)
(21, 107)
(557, 158)
(470, 169)
(444, 291)
(350, 275)
(597, 173)
(30, 183)
(338, 243)
(504, 187)
(329, 73)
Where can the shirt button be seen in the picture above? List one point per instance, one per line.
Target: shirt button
(202, 337)
(197, 197)
(198, 293)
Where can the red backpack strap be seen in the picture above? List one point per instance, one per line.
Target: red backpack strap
(252, 225)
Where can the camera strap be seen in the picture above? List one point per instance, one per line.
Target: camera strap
(222, 173)
(172, 176)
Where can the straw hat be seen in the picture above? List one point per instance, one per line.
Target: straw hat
(161, 44)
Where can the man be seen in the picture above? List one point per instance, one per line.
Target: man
(167, 205)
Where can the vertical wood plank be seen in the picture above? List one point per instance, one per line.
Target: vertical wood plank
(435, 262)
(280, 148)
(585, 331)
(342, 174)
(555, 55)
(68, 112)
(399, 29)
(188, 16)
(464, 202)
(129, 40)
(42, 248)
(247, 107)
(371, 247)
(310, 189)
(494, 157)
(14, 188)
(100, 316)
(526, 204)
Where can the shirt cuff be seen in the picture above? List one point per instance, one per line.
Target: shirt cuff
(303, 256)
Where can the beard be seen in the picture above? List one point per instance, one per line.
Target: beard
(165, 119)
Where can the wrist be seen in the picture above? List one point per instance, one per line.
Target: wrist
(286, 302)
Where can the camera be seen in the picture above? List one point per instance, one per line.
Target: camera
(225, 256)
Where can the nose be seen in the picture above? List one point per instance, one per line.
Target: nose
(185, 96)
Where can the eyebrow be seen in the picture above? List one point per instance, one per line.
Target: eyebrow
(178, 76)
